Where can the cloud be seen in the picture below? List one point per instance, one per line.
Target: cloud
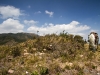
(11, 25)
(38, 12)
(9, 12)
(49, 13)
(31, 22)
(29, 6)
(94, 30)
(61, 16)
(74, 27)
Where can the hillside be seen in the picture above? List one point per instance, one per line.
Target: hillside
(8, 38)
(62, 54)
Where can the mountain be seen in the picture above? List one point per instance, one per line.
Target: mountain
(7, 38)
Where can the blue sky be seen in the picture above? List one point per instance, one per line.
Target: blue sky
(78, 17)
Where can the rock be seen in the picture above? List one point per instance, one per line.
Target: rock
(10, 71)
(81, 55)
(62, 65)
(98, 68)
(69, 63)
(93, 72)
(44, 49)
(81, 65)
(25, 51)
(86, 71)
(34, 49)
(98, 73)
(26, 54)
(26, 72)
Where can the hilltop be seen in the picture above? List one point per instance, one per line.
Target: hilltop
(50, 55)
(8, 38)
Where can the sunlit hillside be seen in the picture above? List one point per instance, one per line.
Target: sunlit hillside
(63, 54)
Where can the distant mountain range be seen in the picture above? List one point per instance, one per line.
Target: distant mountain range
(6, 38)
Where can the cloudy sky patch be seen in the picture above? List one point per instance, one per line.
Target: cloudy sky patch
(11, 25)
(49, 13)
(50, 28)
(35, 15)
(9, 12)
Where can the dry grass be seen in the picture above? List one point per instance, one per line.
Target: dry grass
(49, 55)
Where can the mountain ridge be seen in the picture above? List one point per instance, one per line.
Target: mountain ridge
(16, 37)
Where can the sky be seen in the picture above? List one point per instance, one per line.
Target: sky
(77, 17)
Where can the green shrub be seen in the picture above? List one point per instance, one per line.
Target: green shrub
(16, 52)
(34, 73)
(43, 70)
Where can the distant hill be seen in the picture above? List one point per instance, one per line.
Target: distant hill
(7, 38)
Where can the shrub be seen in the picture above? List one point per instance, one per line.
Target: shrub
(16, 52)
(43, 70)
(35, 73)
(3, 71)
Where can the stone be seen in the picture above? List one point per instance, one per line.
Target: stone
(10, 71)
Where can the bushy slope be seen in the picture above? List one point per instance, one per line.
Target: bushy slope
(50, 55)
(18, 37)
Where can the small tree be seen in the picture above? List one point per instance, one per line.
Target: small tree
(78, 38)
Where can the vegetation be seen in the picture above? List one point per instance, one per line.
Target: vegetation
(11, 38)
(49, 55)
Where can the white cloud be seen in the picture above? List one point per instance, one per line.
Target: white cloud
(49, 13)
(74, 27)
(94, 30)
(38, 12)
(11, 25)
(31, 22)
(9, 12)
